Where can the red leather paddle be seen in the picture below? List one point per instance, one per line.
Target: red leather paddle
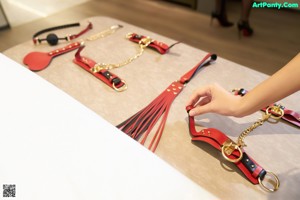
(37, 61)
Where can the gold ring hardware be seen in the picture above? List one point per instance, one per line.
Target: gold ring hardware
(129, 35)
(121, 89)
(276, 184)
(144, 42)
(228, 147)
(275, 111)
(98, 67)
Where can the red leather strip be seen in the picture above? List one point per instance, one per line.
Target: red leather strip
(216, 139)
(190, 74)
(89, 26)
(65, 49)
(104, 75)
(161, 47)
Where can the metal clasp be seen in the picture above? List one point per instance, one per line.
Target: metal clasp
(276, 183)
(120, 89)
(275, 111)
(144, 42)
(228, 147)
(98, 67)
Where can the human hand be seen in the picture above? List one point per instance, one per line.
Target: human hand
(214, 99)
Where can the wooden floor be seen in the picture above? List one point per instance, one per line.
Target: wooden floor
(275, 42)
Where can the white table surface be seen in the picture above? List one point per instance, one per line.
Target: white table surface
(53, 147)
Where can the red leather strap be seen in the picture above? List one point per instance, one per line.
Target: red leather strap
(190, 74)
(64, 49)
(74, 36)
(161, 47)
(216, 138)
(140, 124)
(290, 116)
(104, 75)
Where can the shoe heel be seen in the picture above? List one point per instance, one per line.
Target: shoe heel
(244, 29)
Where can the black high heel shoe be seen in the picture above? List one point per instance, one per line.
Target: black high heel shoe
(245, 29)
(222, 20)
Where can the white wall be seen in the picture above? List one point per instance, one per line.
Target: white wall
(3, 21)
(22, 11)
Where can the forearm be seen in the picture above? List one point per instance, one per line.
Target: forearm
(283, 83)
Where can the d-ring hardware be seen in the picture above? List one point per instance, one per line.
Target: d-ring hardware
(121, 89)
(276, 185)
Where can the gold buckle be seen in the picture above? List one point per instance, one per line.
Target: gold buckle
(276, 185)
(144, 42)
(68, 37)
(98, 67)
(275, 109)
(121, 89)
(228, 147)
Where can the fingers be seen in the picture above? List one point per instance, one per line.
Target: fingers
(196, 96)
(199, 110)
(203, 101)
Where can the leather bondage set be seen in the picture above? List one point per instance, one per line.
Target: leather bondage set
(37, 61)
(140, 125)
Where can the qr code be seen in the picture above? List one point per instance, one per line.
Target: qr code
(9, 190)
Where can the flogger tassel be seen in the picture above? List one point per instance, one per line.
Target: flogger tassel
(141, 124)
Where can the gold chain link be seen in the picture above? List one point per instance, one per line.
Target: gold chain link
(104, 33)
(142, 45)
(245, 133)
(275, 109)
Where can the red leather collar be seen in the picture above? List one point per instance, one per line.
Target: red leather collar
(251, 169)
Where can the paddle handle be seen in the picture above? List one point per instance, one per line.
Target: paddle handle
(65, 49)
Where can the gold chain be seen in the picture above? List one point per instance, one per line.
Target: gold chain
(278, 113)
(275, 112)
(104, 33)
(245, 133)
(143, 43)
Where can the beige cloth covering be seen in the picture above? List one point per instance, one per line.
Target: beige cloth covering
(274, 146)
